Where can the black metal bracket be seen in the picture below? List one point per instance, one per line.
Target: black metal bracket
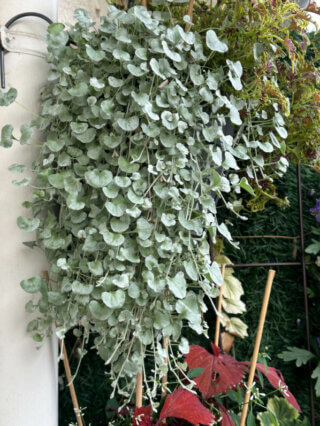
(7, 25)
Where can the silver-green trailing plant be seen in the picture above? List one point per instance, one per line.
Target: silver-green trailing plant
(136, 151)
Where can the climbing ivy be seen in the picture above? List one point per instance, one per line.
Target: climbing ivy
(140, 142)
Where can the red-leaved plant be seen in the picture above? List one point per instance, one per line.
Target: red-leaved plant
(221, 373)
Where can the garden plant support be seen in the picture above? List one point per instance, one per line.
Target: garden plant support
(255, 354)
(303, 265)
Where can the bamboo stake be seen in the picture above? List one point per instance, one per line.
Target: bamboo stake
(190, 9)
(218, 320)
(73, 394)
(139, 390)
(165, 345)
(263, 313)
(67, 369)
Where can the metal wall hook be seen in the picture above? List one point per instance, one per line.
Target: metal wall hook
(7, 25)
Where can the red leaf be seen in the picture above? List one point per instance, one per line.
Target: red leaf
(183, 404)
(226, 418)
(143, 416)
(276, 379)
(221, 371)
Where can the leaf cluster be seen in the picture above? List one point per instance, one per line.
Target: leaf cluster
(141, 139)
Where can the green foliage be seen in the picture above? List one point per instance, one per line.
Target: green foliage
(316, 375)
(269, 46)
(280, 413)
(301, 356)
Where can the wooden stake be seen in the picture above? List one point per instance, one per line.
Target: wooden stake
(73, 394)
(145, 3)
(139, 390)
(218, 320)
(67, 369)
(263, 313)
(190, 9)
(165, 345)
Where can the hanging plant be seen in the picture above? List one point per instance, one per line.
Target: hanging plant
(136, 151)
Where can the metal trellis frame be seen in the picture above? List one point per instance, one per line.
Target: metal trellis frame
(303, 265)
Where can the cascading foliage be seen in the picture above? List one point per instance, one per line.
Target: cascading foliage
(140, 140)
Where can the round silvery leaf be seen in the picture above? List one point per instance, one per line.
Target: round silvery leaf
(79, 90)
(73, 203)
(121, 224)
(87, 136)
(133, 291)
(17, 168)
(174, 56)
(33, 285)
(195, 74)
(126, 166)
(122, 181)
(161, 320)
(116, 207)
(178, 285)
(169, 120)
(121, 281)
(140, 98)
(54, 143)
(191, 269)
(122, 35)
(115, 82)
(7, 136)
(152, 130)
(111, 191)
(110, 238)
(78, 128)
(114, 299)
(96, 84)
(128, 124)
(121, 55)
(26, 133)
(7, 98)
(144, 228)
(134, 198)
(82, 16)
(141, 53)
(98, 311)
(135, 71)
(154, 64)
(98, 178)
(168, 219)
(57, 180)
(28, 225)
(130, 254)
(81, 288)
(95, 55)
(213, 42)
(95, 267)
(110, 140)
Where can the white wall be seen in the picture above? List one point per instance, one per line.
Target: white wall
(28, 376)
